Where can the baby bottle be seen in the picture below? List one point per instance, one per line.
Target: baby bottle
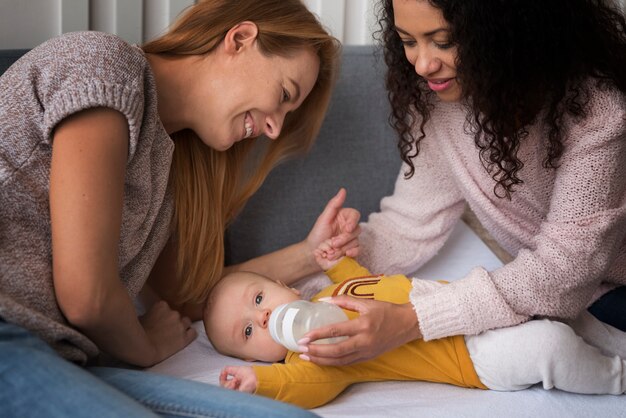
(290, 321)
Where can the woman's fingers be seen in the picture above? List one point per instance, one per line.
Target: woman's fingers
(351, 350)
(186, 322)
(380, 327)
(333, 207)
(341, 360)
(190, 335)
(344, 238)
(351, 249)
(339, 329)
(349, 303)
(348, 219)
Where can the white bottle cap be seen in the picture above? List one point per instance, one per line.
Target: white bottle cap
(281, 326)
(276, 331)
(288, 337)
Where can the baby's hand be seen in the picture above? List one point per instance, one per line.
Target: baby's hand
(241, 378)
(326, 255)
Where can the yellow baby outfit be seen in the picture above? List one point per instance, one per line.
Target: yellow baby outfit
(309, 385)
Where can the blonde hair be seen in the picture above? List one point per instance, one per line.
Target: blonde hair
(210, 186)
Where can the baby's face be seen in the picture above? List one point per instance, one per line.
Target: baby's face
(238, 313)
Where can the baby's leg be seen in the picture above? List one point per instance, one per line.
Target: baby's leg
(548, 352)
(610, 340)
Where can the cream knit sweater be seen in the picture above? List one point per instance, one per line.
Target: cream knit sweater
(565, 227)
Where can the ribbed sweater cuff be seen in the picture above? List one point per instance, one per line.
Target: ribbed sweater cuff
(465, 307)
(96, 93)
(436, 315)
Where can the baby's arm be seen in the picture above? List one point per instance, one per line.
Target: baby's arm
(309, 385)
(301, 383)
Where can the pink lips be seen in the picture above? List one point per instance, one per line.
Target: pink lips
(440, 84)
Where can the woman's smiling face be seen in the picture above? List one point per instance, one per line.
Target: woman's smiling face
(426, 40)
(256, 90)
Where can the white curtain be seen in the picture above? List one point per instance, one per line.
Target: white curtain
(26, 23)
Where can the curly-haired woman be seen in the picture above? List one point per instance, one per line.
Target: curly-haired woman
(516, 108)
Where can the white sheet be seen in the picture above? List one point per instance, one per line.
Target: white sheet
(464, 250)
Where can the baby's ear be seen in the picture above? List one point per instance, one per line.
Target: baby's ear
(293, 289)
(208, 302)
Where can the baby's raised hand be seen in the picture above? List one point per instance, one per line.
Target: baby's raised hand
(326, 255)
(241, 378)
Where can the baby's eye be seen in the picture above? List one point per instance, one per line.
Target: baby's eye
(248, 331)
(258, 299)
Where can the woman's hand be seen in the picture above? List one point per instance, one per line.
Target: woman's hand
(339, 225)
(241, 378)
(335, 223)
(167, 330)
(381, 327)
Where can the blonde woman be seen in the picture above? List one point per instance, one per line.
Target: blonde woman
(107, 151)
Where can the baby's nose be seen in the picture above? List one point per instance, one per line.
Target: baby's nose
(264, 317)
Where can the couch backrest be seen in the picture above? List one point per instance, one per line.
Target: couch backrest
(356, 149)
(9, 56)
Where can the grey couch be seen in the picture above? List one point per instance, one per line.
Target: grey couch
(355, 149)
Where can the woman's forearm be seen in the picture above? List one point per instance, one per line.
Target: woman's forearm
(297, 261)
(89, 156)
(112, 324)
(288, 264)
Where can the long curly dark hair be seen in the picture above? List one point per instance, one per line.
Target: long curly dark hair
(518, 61)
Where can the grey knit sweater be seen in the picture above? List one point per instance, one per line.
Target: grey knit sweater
(61, 77)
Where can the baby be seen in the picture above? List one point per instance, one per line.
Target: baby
(236, 320)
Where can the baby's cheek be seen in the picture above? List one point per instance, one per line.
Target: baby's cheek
(273, 351)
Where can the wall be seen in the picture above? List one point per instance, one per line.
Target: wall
(26, 23)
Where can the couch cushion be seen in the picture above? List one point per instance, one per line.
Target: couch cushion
(9, 56)
(356, 149)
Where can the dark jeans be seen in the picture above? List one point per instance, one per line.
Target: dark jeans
(611, 308)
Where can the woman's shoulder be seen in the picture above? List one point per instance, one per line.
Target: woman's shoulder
(85, 54)
(604, 100)
(602, 124)
(87, 42)
(79, 70)
(604, 110)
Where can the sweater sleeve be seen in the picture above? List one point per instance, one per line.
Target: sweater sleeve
(83, 70)
(577, 243)
(414, 222)
(301, 383)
